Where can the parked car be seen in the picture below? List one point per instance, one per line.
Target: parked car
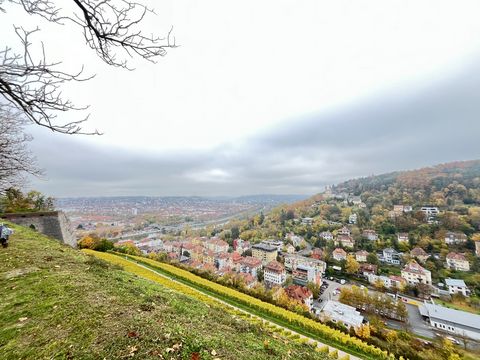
(453, 340)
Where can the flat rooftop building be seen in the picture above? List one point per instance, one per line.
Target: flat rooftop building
(342, 314)
(453, 321)
(265, 253)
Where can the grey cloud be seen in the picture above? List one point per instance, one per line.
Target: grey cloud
(391, 132)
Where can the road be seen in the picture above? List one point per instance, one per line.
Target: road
(415, 323)
(341, 353)
(328, 294)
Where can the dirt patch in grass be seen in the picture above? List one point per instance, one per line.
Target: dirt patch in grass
(18, 272)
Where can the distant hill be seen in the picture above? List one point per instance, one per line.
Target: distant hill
(441, 185)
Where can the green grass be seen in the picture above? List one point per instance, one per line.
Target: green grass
(458, 306)
(58, 303)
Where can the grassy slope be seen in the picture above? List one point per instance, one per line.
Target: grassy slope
(56, 302)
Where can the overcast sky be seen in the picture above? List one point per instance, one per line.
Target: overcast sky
(269, 97)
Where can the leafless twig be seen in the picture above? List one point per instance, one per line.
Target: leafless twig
(110, 27)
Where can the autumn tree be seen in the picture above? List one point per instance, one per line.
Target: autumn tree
(14, 200)
(363, 331)
(87, 242)
(372, 258)
(351, 266)
(314, 288)
(93, 242)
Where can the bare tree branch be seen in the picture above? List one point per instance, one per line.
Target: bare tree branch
(109, 26)
(16, 160)
(34, 87)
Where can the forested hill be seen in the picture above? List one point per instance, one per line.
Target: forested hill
(452, 188)
(441, 185)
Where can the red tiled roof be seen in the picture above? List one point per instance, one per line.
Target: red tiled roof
(362, 253)
(188, 246)
(368, 268)
(298, 293)
(418, 252)
(251, 262)
(275, 266)
(218, 242)
(397, 278)
(456, 256)
(247, 278)
(414, 267)
(339, 251)
(236, 257)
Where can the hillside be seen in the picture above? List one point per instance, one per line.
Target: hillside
(57, 302)
(440, 185)
(454, 188)
(384, 207)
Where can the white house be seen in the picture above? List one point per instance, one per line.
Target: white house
(274, 273)
(274, 243)
(326, 235)
(352, 219)
(402, 237)
(307, 221)
(430, 212)
(304, 274)
(344, 231)
(361, 256)
(250, 265)
(390, 256)
(455, 238)
(292, 261)
(457, 261)
(415, 274)
(216, 245)
(289, 249)
(295, 239)
(370, 235)
(345, 241)
(456, 286)
(339, 254)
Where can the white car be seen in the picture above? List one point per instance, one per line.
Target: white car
(453, 340)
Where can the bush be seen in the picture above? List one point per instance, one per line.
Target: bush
(104, 245)
(95, 243)
(324, 349)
